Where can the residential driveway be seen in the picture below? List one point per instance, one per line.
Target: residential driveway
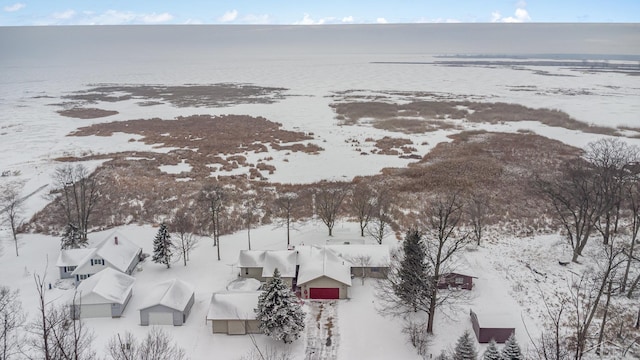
(322, 330)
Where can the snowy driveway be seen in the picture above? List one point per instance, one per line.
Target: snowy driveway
(322, 331)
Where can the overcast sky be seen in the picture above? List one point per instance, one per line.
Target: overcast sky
(284, 12)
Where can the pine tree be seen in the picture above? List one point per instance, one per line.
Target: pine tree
(492, 352)
(511, 350)
(443, 356)
(72, 238)
(465, 348)
(280, 315)
(162, 246)
(414, 286)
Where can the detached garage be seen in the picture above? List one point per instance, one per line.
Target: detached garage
(323, 274)
(105, 294)
(169, 303)
(233, 313)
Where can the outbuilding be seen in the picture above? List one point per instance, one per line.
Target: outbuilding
(233, 313)
(455, 280)
(105, 294)
(169, 303)
(488, 326)
(322, 274)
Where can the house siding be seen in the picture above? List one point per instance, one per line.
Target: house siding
(65, 272)
(485, 335)
(118, 309)
(134, 263)
(222, 326)
(254, 273)
(370, 272)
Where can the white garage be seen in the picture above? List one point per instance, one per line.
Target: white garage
(232, 313)
(168, 303)
(104, 294)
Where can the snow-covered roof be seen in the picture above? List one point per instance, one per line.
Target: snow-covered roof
(316, 262)
(118, 251)
(72, 257)
(283, 260)
(244, 284)
(233, 305)
(379, 255)
(174, 294)
(269, 260)
(496, 319)
(251, 258)
(106, 286)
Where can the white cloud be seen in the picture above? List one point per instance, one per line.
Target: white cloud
(229, 16)
(256, 19)
(381, 20)
(14, 7)
(521, 15)
(65, 15)
(155, 18)
(307, 20)
(347, 19)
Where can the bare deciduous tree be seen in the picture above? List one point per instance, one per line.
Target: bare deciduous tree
(285, 205)
(328, 201)
(443, 239)
(214, 197)
(156, 346)
(79, 194)
(11, 320)
(380, 224)
(183, 226)
(11, 207)
(577, 200)
(362, 203)
(250, 209)
(477, 210)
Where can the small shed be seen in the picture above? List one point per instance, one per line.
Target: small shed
(488, 326)
(233, 313)
(169, 303)
(322, 274)
(456, 280)
(105, 294)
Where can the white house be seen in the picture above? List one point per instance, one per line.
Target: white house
(168, 303)
(115, 252)
(105, 294)
(233, 313)
(260, 265)
(322, 274)
(365, 260)
(69, 259)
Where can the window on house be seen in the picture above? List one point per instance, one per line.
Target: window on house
(459, 281)
(83, 276)
(375, 269)
(71, 268)
(246, 271)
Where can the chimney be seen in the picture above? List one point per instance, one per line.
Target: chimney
(116, 240)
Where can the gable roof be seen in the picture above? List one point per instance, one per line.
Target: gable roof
(283, 260)
(379, 255)
(269, 260)
(106, 286)
(233, 305)
(317, 262)
(251, 258)
(174, 294)
(118, 254)
(72, 257)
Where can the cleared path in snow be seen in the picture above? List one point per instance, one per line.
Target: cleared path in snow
(322, 331)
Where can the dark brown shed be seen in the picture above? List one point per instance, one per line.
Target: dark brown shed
(491, 326)
(455, 280)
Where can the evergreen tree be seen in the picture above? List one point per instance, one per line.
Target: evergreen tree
(280, 315)
(465, 348)
(443, 356)
(511, 350)
(492, 352)
(72, 238)
(414, 285)
(162, 246)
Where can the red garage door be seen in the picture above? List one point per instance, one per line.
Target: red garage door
(325, 293)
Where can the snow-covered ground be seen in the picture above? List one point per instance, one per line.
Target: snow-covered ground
(32, 134)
